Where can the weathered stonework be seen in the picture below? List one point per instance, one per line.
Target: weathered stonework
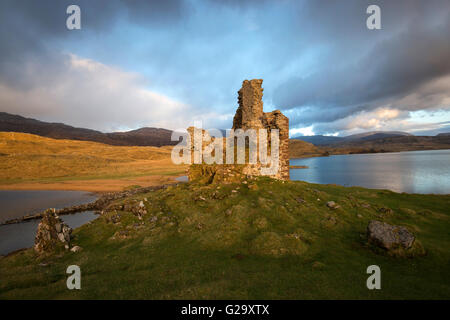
(51, 231)
(249, 115)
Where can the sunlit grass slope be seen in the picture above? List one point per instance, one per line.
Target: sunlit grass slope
(26, 157)
(263, 239)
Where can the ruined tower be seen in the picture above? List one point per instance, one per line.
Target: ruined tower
(249, 115)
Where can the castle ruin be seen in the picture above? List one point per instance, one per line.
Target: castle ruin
(249, 115)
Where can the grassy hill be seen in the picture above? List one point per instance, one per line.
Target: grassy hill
(370, 142)
(33, 162)
(27, 158)
(391, 144)
(260, 239)
(140, 137)
(303, 149)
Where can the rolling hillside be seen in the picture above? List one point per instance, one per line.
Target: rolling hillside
(391, 144)
(302, 149)
(376, 141)
(27, 158)
(265, 239)
(141, 137)
(320, 140)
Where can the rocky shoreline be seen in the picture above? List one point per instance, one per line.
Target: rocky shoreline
(98, 205)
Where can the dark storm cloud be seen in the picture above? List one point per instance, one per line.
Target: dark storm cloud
(49, 16)
(368, 68)
(319, 62)
(27, 27)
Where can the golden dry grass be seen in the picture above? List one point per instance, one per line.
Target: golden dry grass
(302, 149)
(32, 162)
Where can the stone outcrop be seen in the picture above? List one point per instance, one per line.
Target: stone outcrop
(249, 115)
(396, 240)
(51, 231)
(388, 236)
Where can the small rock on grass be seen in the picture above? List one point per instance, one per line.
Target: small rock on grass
(75, 249)
(332, 205)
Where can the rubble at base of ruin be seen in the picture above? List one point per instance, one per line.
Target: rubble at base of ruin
(249, 115)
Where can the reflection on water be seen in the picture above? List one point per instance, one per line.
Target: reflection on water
(182, 179)
(17, 203)
(413, 171)
(21, 235)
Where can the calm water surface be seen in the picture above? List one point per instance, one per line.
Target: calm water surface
(412, 171)
(15, 204)
(21, 235)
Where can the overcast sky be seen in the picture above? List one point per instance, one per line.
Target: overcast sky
(170, 63)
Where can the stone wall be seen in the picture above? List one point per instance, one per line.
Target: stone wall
(249, 115)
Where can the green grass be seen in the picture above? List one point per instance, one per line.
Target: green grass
(257, 243)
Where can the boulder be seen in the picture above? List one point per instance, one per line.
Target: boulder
(397, 240)
(51, 231)
(332, 205)
(75, 249)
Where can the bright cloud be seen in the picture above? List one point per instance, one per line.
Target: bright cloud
(170, 63)
(306, 131)
(93, 94)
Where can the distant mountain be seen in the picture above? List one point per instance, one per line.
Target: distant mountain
(390, 144)
(373, 135)
(320, 140)
(443, 134)
(140, 137)
(143, 137)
